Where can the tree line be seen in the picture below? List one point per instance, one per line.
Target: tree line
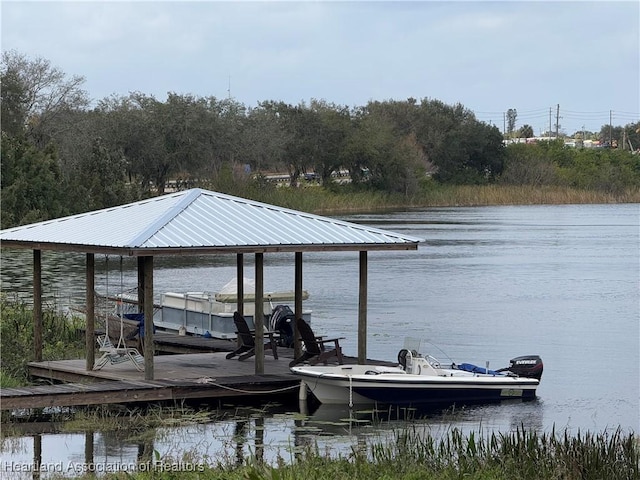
(61, 155)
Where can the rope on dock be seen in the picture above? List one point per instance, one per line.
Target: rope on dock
(210, 381)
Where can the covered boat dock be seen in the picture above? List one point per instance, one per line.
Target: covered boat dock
(198, 222)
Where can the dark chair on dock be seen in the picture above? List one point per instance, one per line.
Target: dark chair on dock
(315, 349)
(247, 340)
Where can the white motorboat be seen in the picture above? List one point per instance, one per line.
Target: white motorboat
(421, 380)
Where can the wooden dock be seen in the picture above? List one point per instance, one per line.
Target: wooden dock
(185, 368)
(178, 377)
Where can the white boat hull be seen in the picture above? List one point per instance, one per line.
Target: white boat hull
(362, 384)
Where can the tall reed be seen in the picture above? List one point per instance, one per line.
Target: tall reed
(414, 455)
(348, 200)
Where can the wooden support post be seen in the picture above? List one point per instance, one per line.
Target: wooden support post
(37, 455)
(149, 346)
(362, 311)
(240, 280)
(140, 299)
(258, 317)
(140, 284)
(88, 448)
(240, 289)
(259, 440)
(90, 314)
(37, 305)
(297, 348)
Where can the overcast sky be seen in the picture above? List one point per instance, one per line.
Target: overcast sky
(488, 56)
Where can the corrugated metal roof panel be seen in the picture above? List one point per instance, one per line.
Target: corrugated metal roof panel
(200, 218)
(114, 226)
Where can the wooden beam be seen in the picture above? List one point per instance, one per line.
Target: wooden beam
(297, 348)
(37, 305)
(258, 317)
(240, 289)
(88, 448)
(148, 319)
(128, 391)
(140, 284)
(37, 454)
(362, 311)
(240, 280)
(90, 313)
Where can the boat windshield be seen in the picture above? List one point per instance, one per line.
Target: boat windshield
(414, 345)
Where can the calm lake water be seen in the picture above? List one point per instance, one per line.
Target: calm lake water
(487, 284)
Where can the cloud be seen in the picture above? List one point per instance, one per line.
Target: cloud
(489, 56)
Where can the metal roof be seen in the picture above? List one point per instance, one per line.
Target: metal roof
(200, 221)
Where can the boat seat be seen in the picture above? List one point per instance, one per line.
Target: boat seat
(316, 350)
(247, 340)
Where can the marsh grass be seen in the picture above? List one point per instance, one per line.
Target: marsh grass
(411, 452)
(476, 195)
(61, 331)
(113, 418)
(454, 455)
(346, 200)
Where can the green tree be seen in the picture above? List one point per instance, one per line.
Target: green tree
(528, 164)
(264, 138)
(37, 94)
(14, 100)
(301, 148)
(367, 146)
(610, 136)
(329, 138)
(526, 131)
(181, 137)
(101, 178)
(31, 183)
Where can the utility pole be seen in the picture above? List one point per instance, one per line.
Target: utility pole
(557, 120)
(549, 134)
(610, 128)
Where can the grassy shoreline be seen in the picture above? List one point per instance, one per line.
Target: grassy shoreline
(325, 201)
(410, 455)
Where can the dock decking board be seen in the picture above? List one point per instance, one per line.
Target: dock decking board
(205, 374)
(186, 376)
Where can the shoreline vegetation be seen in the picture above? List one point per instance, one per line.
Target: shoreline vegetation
(410, 452)
(324, 202)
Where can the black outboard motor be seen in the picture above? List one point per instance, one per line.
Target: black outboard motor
(281, 321)
(528, 366)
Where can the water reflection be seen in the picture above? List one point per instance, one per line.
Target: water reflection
(248, 434)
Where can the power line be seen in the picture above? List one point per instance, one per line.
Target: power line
(602, 117)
